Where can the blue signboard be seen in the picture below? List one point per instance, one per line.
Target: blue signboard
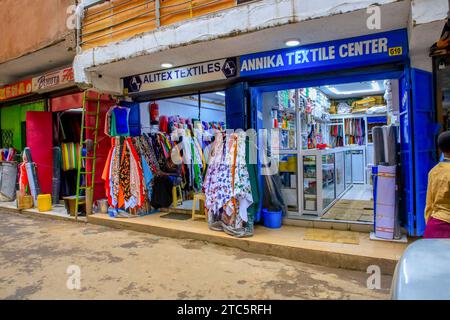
(359, 51)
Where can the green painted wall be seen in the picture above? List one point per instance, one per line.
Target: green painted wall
(11, 118)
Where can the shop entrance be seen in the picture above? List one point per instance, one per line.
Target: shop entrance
(174, 138)
(323, 135)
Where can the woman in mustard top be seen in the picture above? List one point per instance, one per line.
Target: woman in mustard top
(437, 210)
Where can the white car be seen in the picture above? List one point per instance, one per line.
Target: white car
(423, 272)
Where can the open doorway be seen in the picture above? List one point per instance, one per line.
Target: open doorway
(188, 121)
(326, 138)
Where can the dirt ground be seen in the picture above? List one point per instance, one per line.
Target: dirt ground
(40, 259)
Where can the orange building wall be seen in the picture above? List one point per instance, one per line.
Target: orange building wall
(117, 20)
(29, 25)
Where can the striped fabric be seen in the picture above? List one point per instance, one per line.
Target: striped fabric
(70, 156)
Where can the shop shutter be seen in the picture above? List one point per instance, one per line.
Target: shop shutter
(236, 106)
(424, 136)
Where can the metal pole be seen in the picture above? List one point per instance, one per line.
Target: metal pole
(158, 13)
(199, 105)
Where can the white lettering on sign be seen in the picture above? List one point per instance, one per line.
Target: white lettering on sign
(198, 73)
(268, 62)
(321, 54)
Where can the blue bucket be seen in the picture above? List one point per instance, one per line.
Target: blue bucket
(272, 219)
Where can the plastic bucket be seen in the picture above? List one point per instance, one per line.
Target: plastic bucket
(44, 202)
(272, 219)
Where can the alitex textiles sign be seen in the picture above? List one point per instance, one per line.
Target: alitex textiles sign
(53, 80)
(197, 73)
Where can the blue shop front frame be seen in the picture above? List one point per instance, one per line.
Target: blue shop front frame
(417, 111)
(415, 125)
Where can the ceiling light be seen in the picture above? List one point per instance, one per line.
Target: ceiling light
(376, 86)
(351, 92)
(166, 65)
(338, 92)
(292, 42)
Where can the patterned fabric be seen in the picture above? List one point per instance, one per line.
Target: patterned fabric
(145, 148)
(124, 175)
(217, 184)
(227, 185)
(114, 173)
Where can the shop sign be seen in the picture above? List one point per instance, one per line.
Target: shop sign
(197, 73)
(15, 90)
(372, 49)
(53, 80)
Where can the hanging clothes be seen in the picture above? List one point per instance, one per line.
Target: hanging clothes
(123, 175)
(117, 122)
(355, 131)
(227, 185)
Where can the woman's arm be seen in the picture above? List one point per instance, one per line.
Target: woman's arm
(430, 197)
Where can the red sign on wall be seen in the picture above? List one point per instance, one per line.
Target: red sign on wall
(15, 90)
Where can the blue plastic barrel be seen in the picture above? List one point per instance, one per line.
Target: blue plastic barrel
(272, 219)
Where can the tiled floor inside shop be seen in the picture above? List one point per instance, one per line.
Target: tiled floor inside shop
(355, 205)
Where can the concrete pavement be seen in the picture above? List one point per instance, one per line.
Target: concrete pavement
(118, 264)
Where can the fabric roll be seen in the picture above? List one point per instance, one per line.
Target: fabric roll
(386, 203)
(164, 124)
(33, 181)
(23, 179)
(8, 181)
(390, 145)
(56, 186)
(378, 145)
(27, 155)
(69, 156)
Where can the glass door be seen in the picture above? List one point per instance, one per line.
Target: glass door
(309, 185)
(280, 121)
(328, 179)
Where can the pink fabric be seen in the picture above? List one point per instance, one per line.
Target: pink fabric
(437, 229)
